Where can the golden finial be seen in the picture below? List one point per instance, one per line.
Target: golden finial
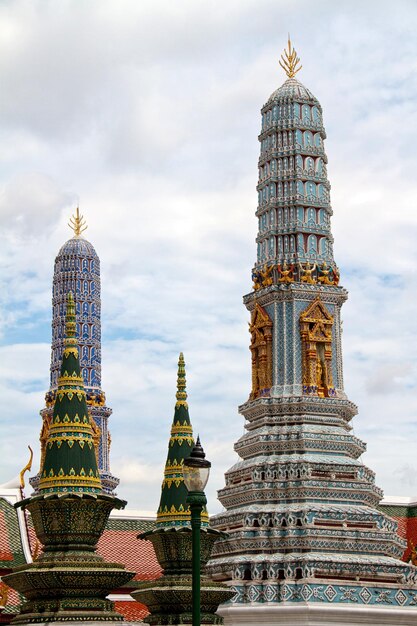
(77, 223)
(27, 468)
(70, 323)
(181, 394)
(290, 61)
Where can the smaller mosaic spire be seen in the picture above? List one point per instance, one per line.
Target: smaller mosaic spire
(69, 461)
(173, 509)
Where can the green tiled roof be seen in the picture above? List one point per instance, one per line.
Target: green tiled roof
(398, 511)
(139, 525)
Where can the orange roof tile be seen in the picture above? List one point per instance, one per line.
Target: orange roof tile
(137, 555)
(131, 611)
(5, 552)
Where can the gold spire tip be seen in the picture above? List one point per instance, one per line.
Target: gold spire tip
(290, 60)
(181, 394)
(77, 223)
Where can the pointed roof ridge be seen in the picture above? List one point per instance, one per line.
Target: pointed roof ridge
(69, 454)
(173, 509)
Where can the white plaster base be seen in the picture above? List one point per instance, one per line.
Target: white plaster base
(310, 614)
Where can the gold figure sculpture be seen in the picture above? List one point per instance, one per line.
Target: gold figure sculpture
(307, 273)
(286, 273)
(96, 436)
(413, 553)
(27, 468)
(324, 278)
(316, 340)
(290, 60)
(260, 329)
(43, 437)
(267, 276)
(262, 278)
(320, 378)
(77, 223)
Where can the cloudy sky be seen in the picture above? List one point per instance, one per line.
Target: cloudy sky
(147, 113)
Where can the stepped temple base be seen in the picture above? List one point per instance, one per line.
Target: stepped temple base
(169, 599)
(68, 582)
(313, 614)
(76, 622)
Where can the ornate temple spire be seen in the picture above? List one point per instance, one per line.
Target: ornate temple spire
(77, 269)
(77, 223)
(301, 505)
(295, 243)
(173, 509)
(68, 582)
(69, 461)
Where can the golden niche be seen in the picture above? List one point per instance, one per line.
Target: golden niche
(260, 329)
(316, 338)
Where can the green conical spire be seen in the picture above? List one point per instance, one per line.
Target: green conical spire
(173, 509)
(69, 461)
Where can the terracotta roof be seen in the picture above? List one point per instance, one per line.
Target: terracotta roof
(5, 548)
(131, 611)
(119, 544)
(11, 549)
(14, 600)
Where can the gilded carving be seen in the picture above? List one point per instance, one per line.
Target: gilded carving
(324, 275)
(260, 329)
(290, 61)
(96, 436)
(263, 278)
(316, 338)
(307, 273)
(286, 273)
(413, 553)
(43, 437)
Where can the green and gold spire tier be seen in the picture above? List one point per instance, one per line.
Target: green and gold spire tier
(68, 581)
(173, 509)
(169, 599)
(69, 453)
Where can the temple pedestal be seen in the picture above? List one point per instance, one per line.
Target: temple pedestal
(313, 614)
(68, 582)
(169, 599)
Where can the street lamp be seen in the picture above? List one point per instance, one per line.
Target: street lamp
(196, 472)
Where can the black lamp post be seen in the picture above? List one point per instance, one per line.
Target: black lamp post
(196, 473)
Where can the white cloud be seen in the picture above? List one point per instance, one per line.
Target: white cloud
(148, 113)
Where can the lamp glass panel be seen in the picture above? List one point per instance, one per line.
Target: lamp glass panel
(195, 478)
